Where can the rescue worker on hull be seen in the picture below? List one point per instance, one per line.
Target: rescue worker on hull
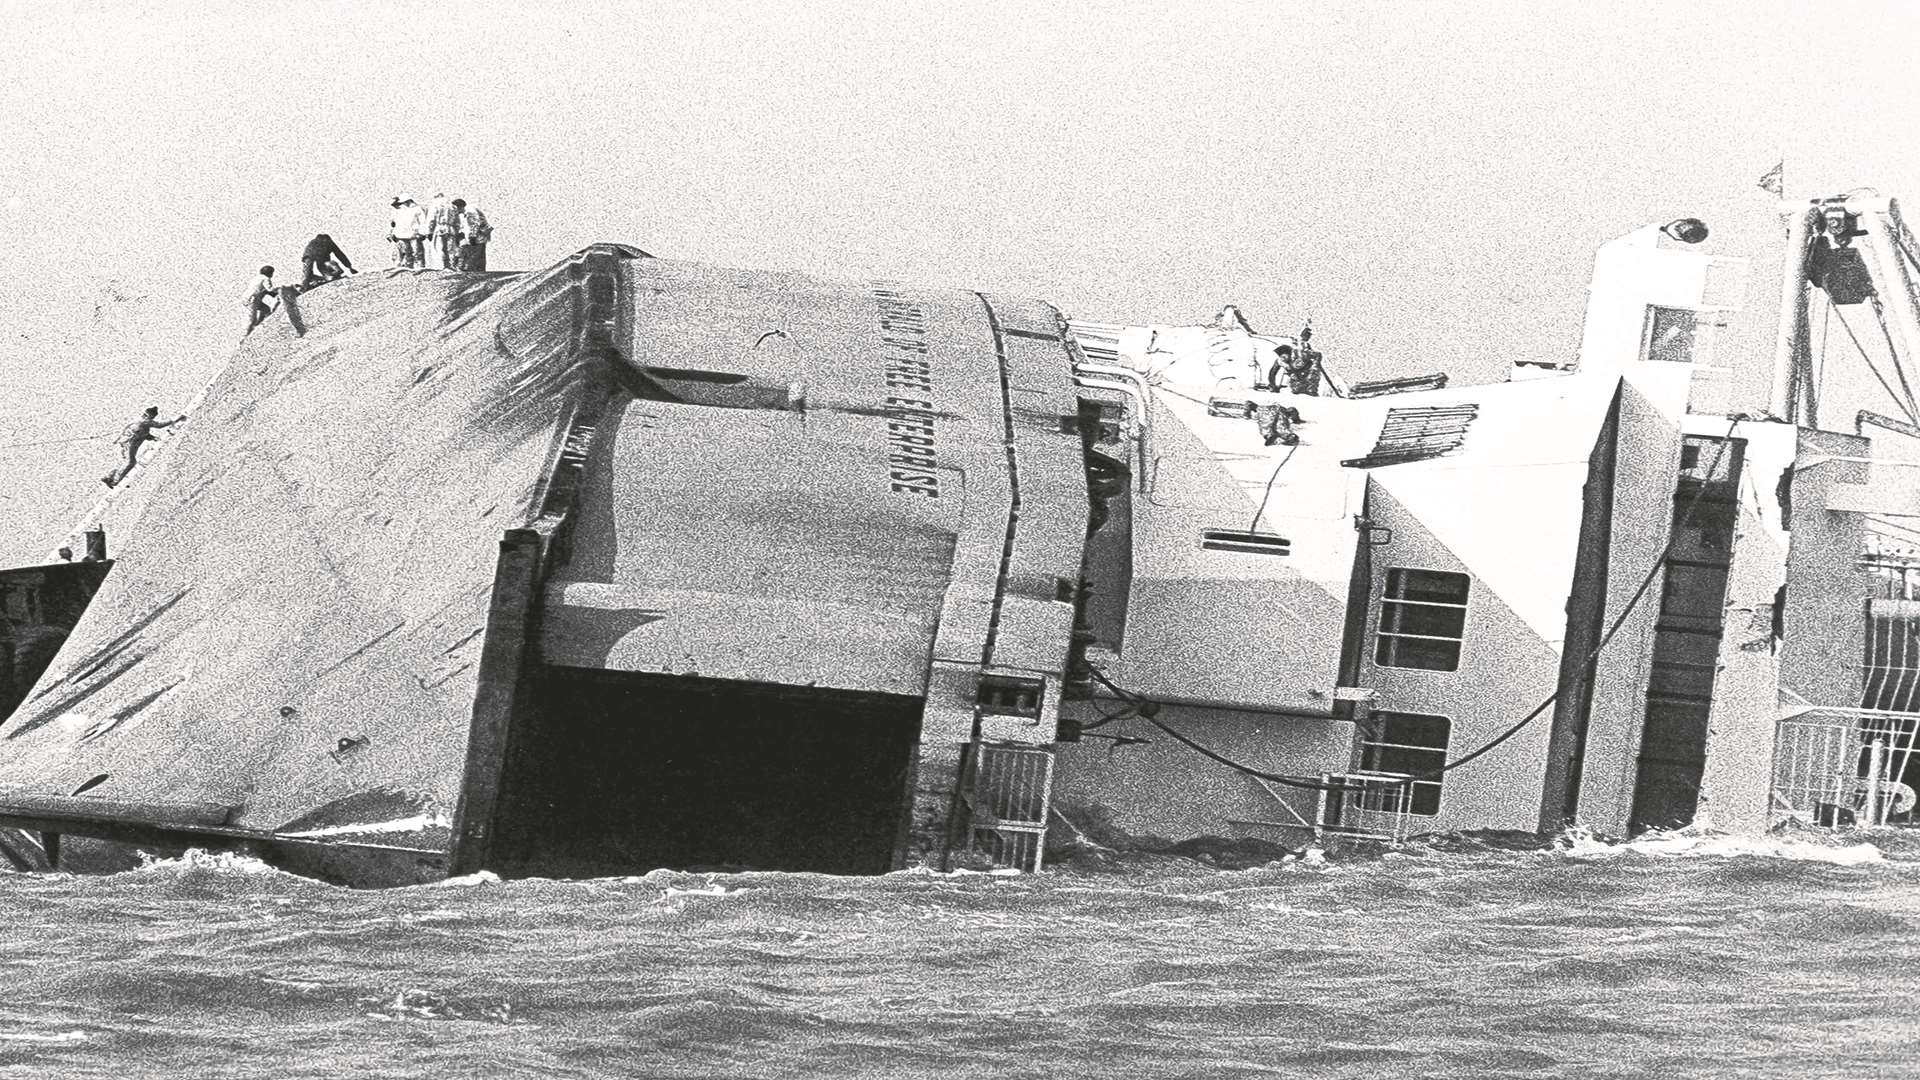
(322, 260)
(475, 234)
(1303, 373)
(1276, 423)
(138, 434)
(408, 231)
(1282, 365)
(443, 230)
(1310, 368)
(393, 235)
(259, 304)
(1300, 366)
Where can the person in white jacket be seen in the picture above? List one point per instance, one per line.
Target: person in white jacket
(260, 299)
(408, 231)
(443, 230)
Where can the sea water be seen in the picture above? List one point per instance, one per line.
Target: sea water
(1678, 955)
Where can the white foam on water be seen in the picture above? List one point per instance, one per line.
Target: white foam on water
(37, 1037)
(415, 824)
(409, 1003)
(958, 871)
(1695, 843)
(478, 877)
(711, 890)
(201, 859)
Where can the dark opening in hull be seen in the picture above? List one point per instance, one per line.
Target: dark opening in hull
(620, 773)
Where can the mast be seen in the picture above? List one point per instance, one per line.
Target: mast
(1790, 348)
(1898, 294)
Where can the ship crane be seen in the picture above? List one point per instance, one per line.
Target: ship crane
(1853, 249)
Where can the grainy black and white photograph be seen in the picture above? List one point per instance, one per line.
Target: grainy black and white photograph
(715, 538)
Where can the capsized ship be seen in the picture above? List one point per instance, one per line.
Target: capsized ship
(632, 563)
(620, 564)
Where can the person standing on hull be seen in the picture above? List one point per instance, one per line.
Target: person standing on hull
(1282, 365)
(138, 434)
(393, 235)
(443, 229)
(322, 260)
(1303, 375)
(474, 235)
(408, 231)
(258, 304)
(1276, 423)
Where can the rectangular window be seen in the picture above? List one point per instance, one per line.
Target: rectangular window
(1690, 597)
(1670, 334)
(1674, 730)
(1713, 462)
(1681, 680)
(1410, 744)
(1253, 543)
(1423, 618)
(20, 602)
(1010, 695)
(1702, 538)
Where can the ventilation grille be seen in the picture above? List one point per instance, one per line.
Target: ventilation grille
(1417, 434)
(1378, 387)
(1252, 543)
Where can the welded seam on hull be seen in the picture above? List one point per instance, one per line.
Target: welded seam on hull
(594, 333)
(510, 645)
(1013, 482)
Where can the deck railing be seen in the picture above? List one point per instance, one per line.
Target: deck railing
(1836, 767)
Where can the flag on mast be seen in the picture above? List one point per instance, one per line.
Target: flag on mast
(1774, 182)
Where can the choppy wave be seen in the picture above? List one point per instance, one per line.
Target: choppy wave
(201, 860)
(1708, 843)
(1686, 954)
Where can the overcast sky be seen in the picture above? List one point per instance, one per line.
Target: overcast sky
(1426, 181)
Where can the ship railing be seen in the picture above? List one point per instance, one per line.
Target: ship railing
(1365, 804)
(1893, 578)
(1890, 664)
(1012, 795)
(1890, 555)
(1099, 342)
(1838, 766)
(1133, 386)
